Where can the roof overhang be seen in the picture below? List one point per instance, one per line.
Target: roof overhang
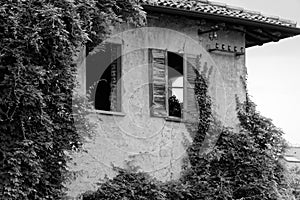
(256, 33)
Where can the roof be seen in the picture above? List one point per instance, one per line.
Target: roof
(260, 28)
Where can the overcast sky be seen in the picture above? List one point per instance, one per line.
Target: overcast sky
(274, 69)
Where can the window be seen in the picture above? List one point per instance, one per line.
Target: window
(175, 84)
(103, 73)
(170, 94)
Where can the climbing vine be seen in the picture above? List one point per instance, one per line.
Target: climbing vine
(39, 40)
(242, 165)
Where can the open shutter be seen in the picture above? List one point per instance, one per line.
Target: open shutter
(158, 82)
(191, 111)
(115, 84)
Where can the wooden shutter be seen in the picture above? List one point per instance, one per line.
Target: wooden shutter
(191, 110)
(158, 82)
(115, 83)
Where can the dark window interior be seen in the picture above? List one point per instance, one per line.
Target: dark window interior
(103, 73)
(175, 84)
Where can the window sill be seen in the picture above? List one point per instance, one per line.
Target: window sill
(103, 112)
(174, 119)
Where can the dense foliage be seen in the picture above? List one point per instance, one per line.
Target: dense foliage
(174, 107)
(128, 185)
(39, 40)
(242, 166)
(294, 175)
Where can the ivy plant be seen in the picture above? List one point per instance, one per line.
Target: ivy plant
(39, 40)
(243, 165)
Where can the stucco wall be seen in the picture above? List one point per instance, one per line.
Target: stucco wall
(293, 151)
(133, 138)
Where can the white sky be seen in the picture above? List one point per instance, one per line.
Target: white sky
(274, 69)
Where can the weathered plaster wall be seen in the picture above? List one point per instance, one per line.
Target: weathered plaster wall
(293, 151)
(134, 138)
(230, 69)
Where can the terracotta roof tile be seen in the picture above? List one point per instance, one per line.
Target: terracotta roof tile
(210, 7)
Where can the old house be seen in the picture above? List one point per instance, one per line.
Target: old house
(291, 160)
(142, 83)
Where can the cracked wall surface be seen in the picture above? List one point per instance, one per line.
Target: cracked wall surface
(134, 138)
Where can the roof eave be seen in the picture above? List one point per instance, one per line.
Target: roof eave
(288, 30)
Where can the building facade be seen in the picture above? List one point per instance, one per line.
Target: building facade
(141, 82)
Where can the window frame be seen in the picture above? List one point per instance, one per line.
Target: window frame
(85, 77)
(183, 87)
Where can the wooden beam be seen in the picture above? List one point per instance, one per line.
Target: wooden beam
(265, 34)
(256, 36)
(253, 37)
